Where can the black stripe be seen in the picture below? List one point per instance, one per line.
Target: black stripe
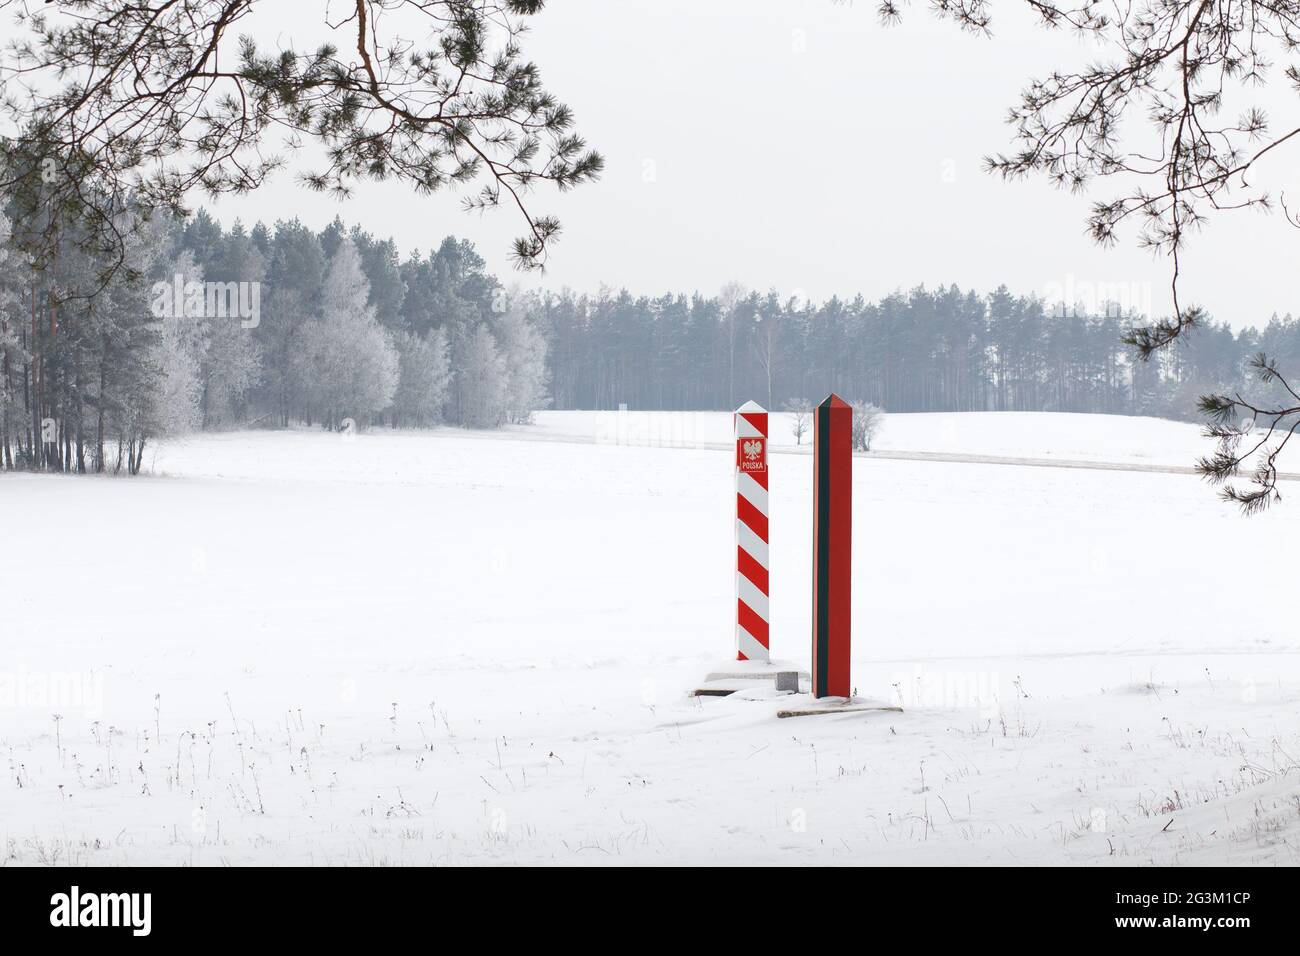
(822, 559)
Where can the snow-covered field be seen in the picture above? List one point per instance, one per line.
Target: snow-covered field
(459, 647)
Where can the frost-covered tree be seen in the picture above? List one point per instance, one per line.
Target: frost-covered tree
(867, 422)
(382, 265)
(231, 366)
(424, 379)
(523, 351)
(481, 381)
(230, 369)
(800, 410)
(345, 366)
(295, 273)
(346, 291)
(180, 349)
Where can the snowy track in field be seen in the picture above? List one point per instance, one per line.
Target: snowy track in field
(951, 457)
(1112, 443)
(1041, 462)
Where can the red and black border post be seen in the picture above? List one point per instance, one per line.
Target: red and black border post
(832, 546)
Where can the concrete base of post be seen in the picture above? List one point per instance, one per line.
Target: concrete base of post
(754, 670)
(740, 675)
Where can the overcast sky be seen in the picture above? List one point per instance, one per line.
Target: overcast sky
(798, 145)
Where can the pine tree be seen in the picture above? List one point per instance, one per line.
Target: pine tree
(455, 106)
(13, 357)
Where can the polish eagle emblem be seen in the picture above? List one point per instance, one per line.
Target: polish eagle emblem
(753, 450)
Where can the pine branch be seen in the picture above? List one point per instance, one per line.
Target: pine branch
(161, 107)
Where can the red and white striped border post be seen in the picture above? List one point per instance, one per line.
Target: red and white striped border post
(752, 613)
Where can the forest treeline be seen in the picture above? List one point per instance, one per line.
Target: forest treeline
(206, 327)
(272, 326)
(926, 350)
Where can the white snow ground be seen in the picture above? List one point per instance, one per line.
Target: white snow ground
(457, 647)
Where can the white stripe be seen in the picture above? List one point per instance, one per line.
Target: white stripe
(746, 429)
(748, 592)
(752, 492)
(751, 543)
(748, 645)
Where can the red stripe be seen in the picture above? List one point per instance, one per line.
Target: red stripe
(755, 519)
(746, 565)
(757, 419)
(748, 618)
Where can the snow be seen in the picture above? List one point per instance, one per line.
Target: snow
(460, 647)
